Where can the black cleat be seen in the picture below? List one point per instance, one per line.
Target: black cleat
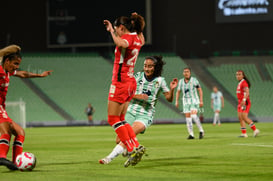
(190, 137)
(201, 135)
(10, 165)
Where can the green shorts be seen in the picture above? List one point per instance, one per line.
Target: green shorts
(189, 107)
(146, 120)
(216, 107)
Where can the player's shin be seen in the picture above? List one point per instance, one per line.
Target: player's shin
(17, 146)
(121, 131)
(4, 145)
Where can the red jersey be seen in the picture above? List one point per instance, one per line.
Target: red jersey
(125, 58)
(4, 83)
(242, 86)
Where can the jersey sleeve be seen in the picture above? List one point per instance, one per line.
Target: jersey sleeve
(220, 94)
(128, 39)
(164, 86)
(196, 83)
(211, 95)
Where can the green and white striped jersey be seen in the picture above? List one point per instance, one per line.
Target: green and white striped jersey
(152, 89)
(189, 91)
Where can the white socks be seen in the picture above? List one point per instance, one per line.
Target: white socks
(216, 118)
(189, 126)
(197, 122)
(116, 152)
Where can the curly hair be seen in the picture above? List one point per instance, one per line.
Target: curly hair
(159, 63)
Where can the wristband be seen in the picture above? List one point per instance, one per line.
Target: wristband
(244, 99)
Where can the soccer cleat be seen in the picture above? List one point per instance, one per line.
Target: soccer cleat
(256, 132)
(132, 157)
(190, 137)
(243, 136)
(141, 151)
(10, 165)
(105, 161)
(201, 135)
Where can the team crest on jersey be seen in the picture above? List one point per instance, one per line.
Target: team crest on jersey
(156, 84)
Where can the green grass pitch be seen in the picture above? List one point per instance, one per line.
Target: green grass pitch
(72, 153)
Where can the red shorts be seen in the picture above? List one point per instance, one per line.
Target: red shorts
(4, 116)
(245, 108)
(122, 91)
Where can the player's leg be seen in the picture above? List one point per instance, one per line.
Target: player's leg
(120, 147)
(130, 130)
(19, 139)
(243, 125)
(197, 122)
(189, 125)
(114, 111)
(5, 130)
(250, 123)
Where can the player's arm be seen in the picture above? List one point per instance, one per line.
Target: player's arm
(200, 96)
(169, 95)
(246, 94)
(142, 38)
(222, 100)
(25, 74)
(177, 98)
(141, 96)
(211, 103)
(117, 40)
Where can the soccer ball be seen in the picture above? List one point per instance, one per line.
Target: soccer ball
(26, 161)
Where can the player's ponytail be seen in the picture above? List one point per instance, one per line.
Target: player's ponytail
(138, 23)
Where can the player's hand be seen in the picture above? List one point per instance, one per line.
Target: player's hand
(177, 104)
(108, 25)
(144, 97)
(201, 104)
(174, 83)
(46, 73)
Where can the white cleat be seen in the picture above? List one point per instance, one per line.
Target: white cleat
(243, 136)
(256, 132)
(105, 161)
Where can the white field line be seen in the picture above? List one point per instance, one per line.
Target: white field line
(249, 144)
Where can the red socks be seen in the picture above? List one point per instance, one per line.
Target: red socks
(17, 146)
(252, 126)
(243, 130)
(4, 145)
(130, 130)
(121, 131)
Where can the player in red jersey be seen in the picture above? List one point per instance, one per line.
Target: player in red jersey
(244, 104)
(128, 38)
(11, 59)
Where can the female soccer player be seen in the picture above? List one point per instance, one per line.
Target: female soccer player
(191, 102)
(141, 109)
(244, 104)
(11, 59)
(217, 102)
(128, 37)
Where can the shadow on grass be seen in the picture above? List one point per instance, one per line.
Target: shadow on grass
(174, 161)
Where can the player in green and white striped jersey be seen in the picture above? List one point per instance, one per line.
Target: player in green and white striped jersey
(217, 102)
(141, 109)
(190, 88)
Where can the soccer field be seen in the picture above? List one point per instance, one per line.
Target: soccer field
(72, 153)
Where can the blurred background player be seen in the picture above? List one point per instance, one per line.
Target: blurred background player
(217, 102)
(244, 104)
(11, 59)
(141, 110)
(89, 110)
(190, 88)
(128, 38)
